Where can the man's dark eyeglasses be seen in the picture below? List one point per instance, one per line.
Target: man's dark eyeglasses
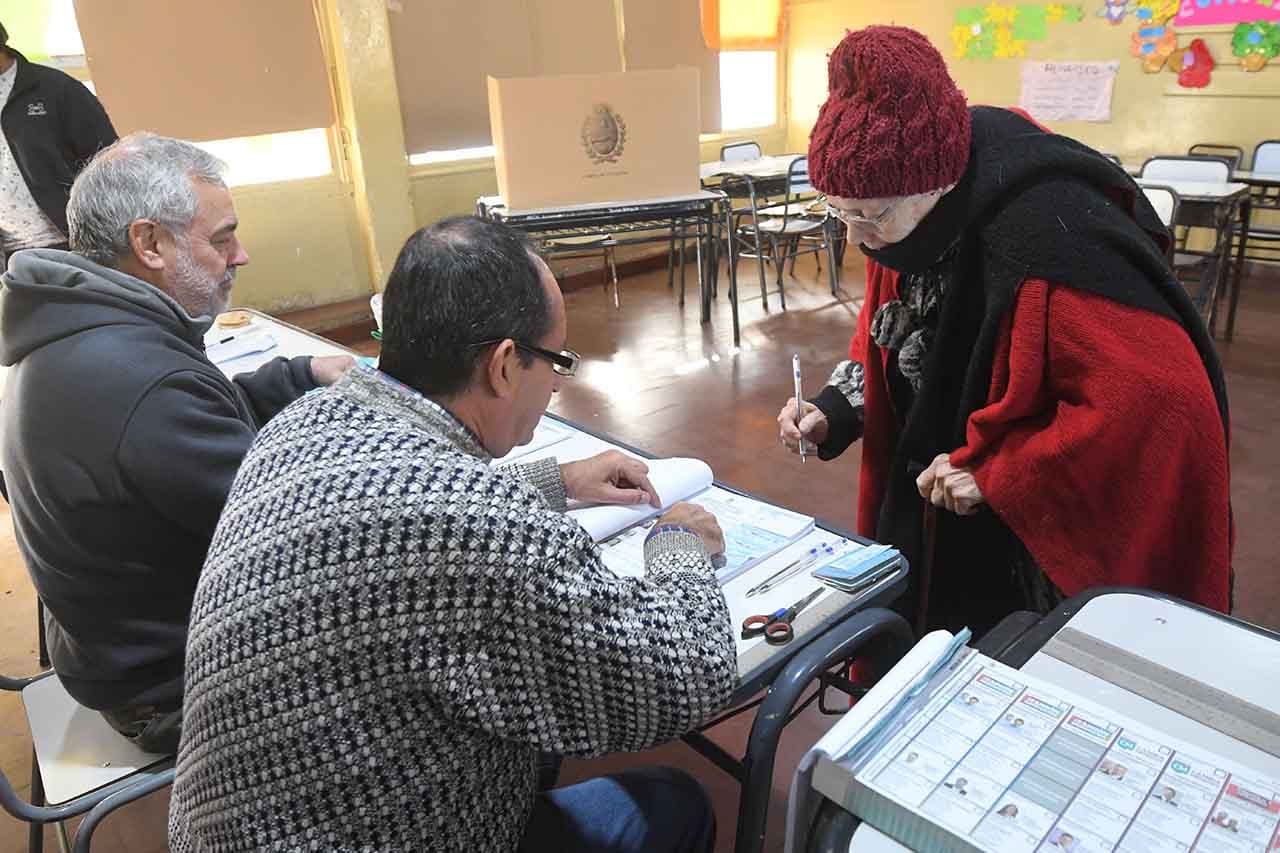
(565, 362)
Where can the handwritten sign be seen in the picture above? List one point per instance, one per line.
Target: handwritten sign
(1058, 91)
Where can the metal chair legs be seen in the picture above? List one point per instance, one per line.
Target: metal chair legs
(613, 276)
(40, 636)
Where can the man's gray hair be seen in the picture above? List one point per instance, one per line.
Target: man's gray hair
(142, 176)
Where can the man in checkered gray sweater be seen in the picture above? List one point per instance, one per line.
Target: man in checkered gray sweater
(388, 630)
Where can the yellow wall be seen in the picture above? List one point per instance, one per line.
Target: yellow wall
(303, 243)
(324, 240)
(1150, 113)
(312, 243)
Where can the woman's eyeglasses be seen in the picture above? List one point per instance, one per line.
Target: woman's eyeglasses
(863, 221)
(565, 362)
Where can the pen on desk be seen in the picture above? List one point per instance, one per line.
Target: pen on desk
(792, 569)
(795, 374)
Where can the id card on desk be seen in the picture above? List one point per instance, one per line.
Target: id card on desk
(855, 568)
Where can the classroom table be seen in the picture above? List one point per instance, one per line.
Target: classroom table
(762, 178)
(768, 168)
(1191, 673)
(1252, 180)
(1243, 176)
(263, 330)
(1256, 179)
(1221, 203)
(835, 630)
(639, 219)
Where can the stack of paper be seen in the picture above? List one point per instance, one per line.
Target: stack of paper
(242, 352)
(988, 758)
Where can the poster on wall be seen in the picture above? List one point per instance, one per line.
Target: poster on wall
(1203, 13)
(1062, 91)
(1003, 30)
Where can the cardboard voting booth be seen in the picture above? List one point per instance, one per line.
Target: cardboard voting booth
(585, 138)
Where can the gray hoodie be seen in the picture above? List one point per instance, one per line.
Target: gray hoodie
(120, 441)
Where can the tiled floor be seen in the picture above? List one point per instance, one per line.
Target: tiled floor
(656, 378)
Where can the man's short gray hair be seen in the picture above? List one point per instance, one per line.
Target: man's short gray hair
(142, 176)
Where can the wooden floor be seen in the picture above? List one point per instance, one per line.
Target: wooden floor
(655, 377)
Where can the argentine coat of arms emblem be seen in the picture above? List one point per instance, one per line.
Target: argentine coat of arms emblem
(604, 134)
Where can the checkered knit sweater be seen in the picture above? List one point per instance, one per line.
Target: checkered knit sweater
(387, 630)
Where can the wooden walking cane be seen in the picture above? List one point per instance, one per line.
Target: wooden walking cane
(929, 538)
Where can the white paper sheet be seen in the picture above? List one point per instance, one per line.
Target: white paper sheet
(674, 480)
(803, 801)
(248, 346)
(753, 531)
(1058, 91)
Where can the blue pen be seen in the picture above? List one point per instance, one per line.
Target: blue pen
(813, 555)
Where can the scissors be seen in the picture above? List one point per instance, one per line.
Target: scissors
(776, 626)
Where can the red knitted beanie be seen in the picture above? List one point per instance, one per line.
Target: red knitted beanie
(894, 123)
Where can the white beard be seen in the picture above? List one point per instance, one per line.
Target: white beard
(197, 291)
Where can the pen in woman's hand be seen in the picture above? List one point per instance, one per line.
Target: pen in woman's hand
(795, 373)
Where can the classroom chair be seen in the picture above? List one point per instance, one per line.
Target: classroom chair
(736, 152)
(1233, 154)
(1165, 201)
(1186, 167)
(1198, 270)
(777, 236)
(79, 765)
(589, 246)
(1262, 242)
(1266, 157)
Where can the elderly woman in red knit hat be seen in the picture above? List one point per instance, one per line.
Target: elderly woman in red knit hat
(1024, 358)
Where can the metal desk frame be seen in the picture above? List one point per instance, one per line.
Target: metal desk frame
(1262, 181)
(1225, 209)
(702, 211)
(761, 179)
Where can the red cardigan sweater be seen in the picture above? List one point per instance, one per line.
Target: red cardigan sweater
(1101, 445)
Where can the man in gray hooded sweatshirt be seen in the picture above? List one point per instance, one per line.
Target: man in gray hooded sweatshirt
(120, 437)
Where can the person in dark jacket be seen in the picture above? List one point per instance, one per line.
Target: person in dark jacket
(52, 125)
(120, 437)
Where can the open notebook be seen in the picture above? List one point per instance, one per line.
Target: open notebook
(753, 530)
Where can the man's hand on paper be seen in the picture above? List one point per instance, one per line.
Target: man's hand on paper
(700, 522)
(328, 369)
(949, 487)
(813, 426)
(611, 477)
